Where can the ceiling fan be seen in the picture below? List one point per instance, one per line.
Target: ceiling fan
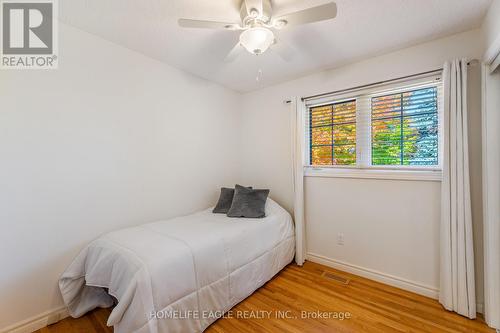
(258, 26)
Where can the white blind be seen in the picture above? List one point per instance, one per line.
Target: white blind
(392, 126)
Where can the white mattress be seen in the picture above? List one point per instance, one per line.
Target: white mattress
(193, 268)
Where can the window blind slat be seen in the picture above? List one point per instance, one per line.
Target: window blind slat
(405, 132)
(332, 134)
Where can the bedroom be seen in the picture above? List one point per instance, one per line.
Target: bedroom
(135, 117)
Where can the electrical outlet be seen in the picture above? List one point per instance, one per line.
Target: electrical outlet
(340, 239)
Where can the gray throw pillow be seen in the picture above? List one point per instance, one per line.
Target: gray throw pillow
(248, 203)
(225, 200)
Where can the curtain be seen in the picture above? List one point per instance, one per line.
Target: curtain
(297, 145)
(457, 291)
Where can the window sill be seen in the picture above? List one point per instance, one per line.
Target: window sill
(404, 174)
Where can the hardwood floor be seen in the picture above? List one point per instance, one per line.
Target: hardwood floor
(374, 307)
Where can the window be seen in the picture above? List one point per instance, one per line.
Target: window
(404, 128)
(333, 134)
(396, 127)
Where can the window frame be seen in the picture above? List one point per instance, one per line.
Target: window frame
(363, 167)
(310, 129)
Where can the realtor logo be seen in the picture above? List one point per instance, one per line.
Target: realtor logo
(28, 34)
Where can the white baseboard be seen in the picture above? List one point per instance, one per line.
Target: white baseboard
(37, 322)
(371, 274)
(391, 280)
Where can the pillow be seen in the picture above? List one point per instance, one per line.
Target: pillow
(225, 200)
(248, 202)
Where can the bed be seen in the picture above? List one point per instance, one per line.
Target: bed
(178, 275)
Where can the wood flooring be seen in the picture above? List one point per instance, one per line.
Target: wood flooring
(303, 300)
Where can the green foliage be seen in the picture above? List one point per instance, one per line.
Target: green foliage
(405, 128)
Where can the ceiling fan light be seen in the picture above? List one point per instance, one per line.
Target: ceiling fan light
(257, 40)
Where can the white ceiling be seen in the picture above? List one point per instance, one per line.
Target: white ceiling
(363, 28)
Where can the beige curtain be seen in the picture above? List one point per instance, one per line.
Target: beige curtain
(457, 291)
(297, 129)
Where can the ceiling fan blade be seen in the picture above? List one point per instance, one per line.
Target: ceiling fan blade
(200, 24)
(314, 14)
(283, 50)
(234, 53)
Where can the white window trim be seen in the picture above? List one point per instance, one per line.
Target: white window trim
(363, 168)
(371, 173)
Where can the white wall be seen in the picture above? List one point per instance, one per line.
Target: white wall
(491, 24)
(491, 171)
(390, 227)
(110, 139)
(400, 238)
(492, 197)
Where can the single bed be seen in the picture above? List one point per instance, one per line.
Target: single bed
(178, 275)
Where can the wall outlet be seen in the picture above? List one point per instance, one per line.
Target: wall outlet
(340, 239)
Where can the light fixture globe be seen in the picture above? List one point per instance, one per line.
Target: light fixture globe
(257, 40)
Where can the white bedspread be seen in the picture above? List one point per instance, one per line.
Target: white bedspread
(190, 269)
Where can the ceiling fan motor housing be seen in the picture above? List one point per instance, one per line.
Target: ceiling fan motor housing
(263, 13)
